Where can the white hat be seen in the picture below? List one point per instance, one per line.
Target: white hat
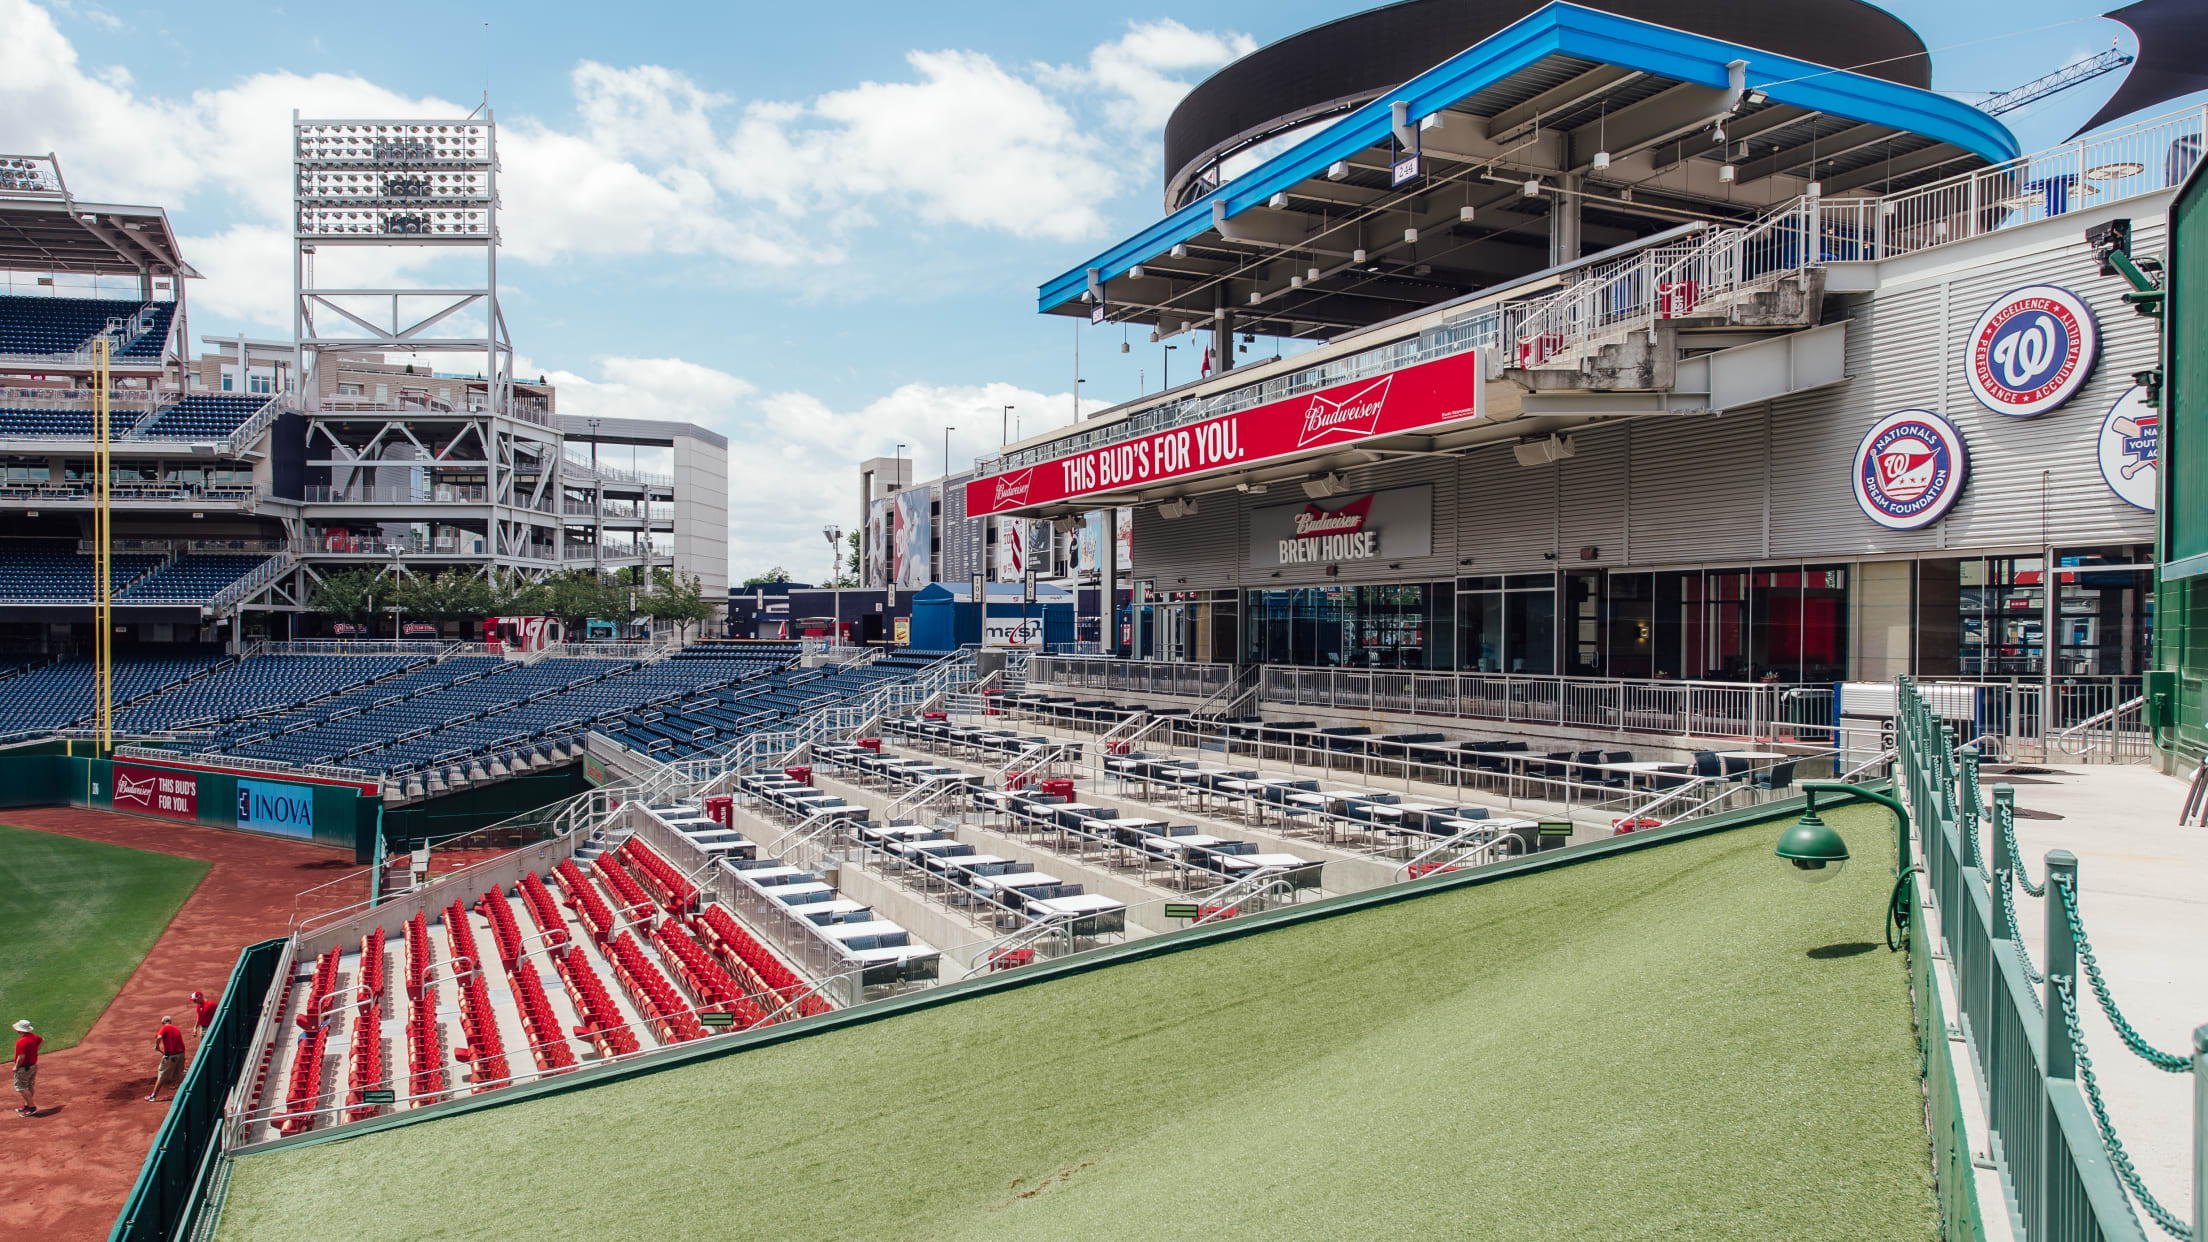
(23, 1025)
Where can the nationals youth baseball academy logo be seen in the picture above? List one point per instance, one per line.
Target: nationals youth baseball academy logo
(1909, 469)
(1352, 414)
(2130, 441)
(2032, 350)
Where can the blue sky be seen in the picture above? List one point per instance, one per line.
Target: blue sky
(816, 228)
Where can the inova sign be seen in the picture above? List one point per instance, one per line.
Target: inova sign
(281, 809)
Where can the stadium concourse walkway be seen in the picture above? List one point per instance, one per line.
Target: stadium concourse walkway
(1672, 1041)
(2143, 896)
(69, 1169)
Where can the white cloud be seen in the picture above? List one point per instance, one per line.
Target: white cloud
(670, 389)
(1140, 72)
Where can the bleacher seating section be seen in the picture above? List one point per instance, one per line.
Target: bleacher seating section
(55, 695)
(52, 569)
(258, 686)
(46, 569)
(202, 416)
(197, 416)
(49, 325)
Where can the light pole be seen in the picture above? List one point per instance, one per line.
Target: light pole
(834, 535)
(943, 511)
(1165, 383)
(1004, 426)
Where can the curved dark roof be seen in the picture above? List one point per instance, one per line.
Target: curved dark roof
(1355, 58)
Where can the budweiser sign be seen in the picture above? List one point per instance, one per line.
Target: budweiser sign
(1012, 489)
(1351, 416)
(151, 791)
(1419, 398)
(1347, 520)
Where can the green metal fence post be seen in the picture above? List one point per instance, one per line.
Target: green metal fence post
(2062, 961)
(1966, 792)
(2055, 1165)
(2004, 801)
(2200, 1133)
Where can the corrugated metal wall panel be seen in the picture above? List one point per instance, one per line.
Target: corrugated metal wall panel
(1592, 497)
(1895, 362)
(1205, 548)
(2034, 479)
(1509, 513)
(1698, 487)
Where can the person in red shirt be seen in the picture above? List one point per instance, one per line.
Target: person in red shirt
(206, 1010)
(170, 1041)
(27, 1041)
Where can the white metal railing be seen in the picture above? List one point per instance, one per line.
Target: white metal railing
(2150, 156)
(251, 429)
(156, 754)
(261, 575)
(1129, 676)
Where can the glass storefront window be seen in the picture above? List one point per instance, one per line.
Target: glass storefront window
(2103, 622)
(1406, 625)
(1507, 624)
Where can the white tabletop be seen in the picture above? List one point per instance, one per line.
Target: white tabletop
(848, 931)
(1275, 860)
(764, 877)
(1192, 840)
(1085, 903)
(1024, 879)
(1643, 765)
(1136, 823)
(1752, 755)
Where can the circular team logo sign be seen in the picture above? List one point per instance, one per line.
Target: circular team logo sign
(2130, 442)
(2032, 350)
(1909, 469)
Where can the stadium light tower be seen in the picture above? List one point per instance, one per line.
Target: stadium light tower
(834, 534)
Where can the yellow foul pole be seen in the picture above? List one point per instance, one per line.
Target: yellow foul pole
(103, 538)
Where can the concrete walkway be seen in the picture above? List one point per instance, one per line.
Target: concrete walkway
(2143, 893)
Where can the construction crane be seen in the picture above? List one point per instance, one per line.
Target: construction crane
(2060, 80)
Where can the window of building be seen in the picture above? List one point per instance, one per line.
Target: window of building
(347, 390)
(1399, 626)
(1507, 624)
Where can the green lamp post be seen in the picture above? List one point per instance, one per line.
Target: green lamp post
(1811, 851)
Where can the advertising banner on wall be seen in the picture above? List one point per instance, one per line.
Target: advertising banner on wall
(964, 538)
(1085, 546)
(911, 537)
(276, 807)
(1390, 525)
(880, 520)
(1012, 631)
(1445, 390)
(149, 791)
(1124, 538)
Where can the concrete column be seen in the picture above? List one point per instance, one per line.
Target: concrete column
(1107, 583)
(1880, 633)
(1222, 345)
(1564, 232)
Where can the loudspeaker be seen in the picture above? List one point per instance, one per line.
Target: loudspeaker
(1542, 452)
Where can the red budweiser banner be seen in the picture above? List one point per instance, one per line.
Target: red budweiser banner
(1445, 390)
(149, 791)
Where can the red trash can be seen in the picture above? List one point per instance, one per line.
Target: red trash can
(871, 743)
(1058, 787)
(989, 702)
(721, 809)
(801, 773)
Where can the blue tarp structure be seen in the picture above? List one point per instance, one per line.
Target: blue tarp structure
(945, 616)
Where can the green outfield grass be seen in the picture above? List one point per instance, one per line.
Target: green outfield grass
(75, 919)
(1675, 1043)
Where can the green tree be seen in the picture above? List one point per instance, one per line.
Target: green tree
(347, 596)
(679, 598)
(776, 574)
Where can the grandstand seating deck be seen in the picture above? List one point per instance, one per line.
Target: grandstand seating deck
(257, 686)
(56, 325)
(55, 695)
(42, 569)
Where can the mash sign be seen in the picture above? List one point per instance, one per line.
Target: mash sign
(1445, 390)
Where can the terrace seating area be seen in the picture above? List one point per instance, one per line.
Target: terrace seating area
(644, 979)
(43, 325)
(73, 424)
(192, 577)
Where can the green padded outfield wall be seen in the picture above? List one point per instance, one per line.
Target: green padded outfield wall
(334, 814)
(2181, 603)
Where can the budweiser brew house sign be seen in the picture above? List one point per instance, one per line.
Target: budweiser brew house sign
(1427, 396)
